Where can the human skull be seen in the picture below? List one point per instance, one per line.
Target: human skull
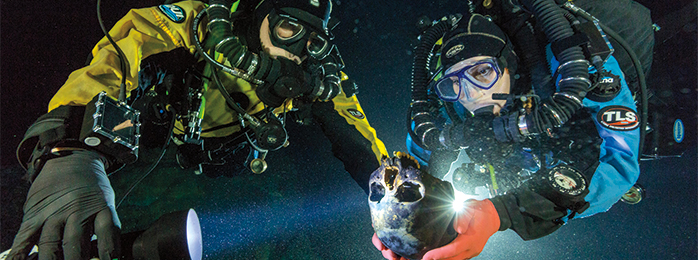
(410, 210)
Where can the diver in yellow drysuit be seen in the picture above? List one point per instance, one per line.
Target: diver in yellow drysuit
(224, 75)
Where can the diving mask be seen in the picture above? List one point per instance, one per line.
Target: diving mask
(290, 34)
(479, 76)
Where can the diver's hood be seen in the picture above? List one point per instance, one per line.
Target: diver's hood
(475, 35)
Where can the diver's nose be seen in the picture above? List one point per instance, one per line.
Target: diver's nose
(472, 93)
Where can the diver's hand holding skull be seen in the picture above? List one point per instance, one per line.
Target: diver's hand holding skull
(475, 224)
(410, 210)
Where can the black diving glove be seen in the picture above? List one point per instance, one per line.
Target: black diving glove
(70, 200)
(286, 80)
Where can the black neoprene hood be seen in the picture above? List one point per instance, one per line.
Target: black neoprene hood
(475, 35)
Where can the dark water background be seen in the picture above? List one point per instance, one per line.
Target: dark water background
(305, 206)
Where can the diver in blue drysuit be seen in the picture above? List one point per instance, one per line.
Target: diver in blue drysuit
(614, 149)
(574, 167)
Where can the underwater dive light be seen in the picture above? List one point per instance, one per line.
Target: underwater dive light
(176, 235)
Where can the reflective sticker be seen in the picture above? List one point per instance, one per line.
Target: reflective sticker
(454, 50)
(618, 118)
(678, 131)
(173, 12)
(356, 113)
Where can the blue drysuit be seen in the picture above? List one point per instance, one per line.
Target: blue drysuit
(601, 141)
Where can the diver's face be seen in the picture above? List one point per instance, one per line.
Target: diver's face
(269, 48)
(474, 98)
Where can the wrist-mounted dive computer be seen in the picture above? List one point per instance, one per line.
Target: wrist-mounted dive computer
(563, 185)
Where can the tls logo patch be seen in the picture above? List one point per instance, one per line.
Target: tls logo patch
(356, 113)
(173, 12)
(618, 118)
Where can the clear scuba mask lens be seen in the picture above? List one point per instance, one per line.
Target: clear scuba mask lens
(290, 34)
(470, 91)
(476, 77)
(318, 47)
(448, 89)
(288, 31)
(482, 75)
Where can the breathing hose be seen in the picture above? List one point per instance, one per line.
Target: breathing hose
(246, 64)
(221, 33)
(533, 58)
(574, 83)
(556, 110)
(636, 63)
(425, 132)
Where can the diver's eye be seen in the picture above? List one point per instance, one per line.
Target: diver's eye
(317, 45)
(377, 192)
(288, 30)
(408, 192)
(483, 72)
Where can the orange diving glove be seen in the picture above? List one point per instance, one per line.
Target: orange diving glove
(475, 225)
(477, 222)
(387, 253)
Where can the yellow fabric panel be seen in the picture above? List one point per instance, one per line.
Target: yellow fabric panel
(141, 33)
(144, 32)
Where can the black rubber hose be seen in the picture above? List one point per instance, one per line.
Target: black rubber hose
(559, 108)
(220, 28)
(638, 68)
(425, 133)
(533, 58)
(240, 57)
(123, 62)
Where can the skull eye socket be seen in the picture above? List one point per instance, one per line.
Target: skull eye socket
(408, 192)
(377, 192)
